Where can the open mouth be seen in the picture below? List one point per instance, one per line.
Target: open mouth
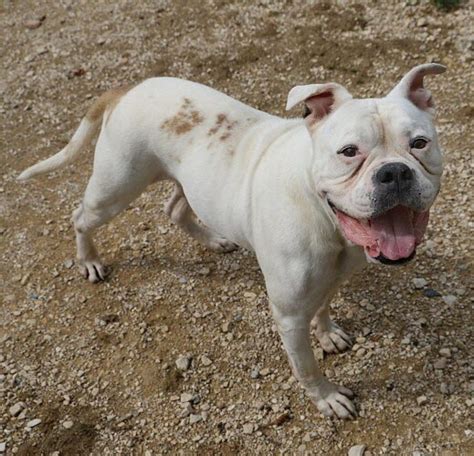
(391, 237)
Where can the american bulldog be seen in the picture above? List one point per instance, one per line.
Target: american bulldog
(314, 198)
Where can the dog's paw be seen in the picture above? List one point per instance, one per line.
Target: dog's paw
(333, 400)
(335, 340)
(93, 270)
(221, 245)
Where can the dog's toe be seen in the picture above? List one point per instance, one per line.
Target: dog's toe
(335, 340)
(221, 245)
(94, 271)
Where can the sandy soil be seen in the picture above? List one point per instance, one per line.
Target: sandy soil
(97, 363)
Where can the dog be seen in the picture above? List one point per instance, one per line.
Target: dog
(314, 198)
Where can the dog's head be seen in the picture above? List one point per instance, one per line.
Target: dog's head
(377, 162)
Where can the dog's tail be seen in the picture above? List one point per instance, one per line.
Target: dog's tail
(88, 128)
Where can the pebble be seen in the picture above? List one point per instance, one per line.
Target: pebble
(420, 283)
(3, 447)
(254, 373)
(450, 299)
(445, 352)
(248, 428)
(68, 264)
(186, 397)
(16, 409)
(440, 363)
(183, 363)
(264, 372)
(68, 424)
(194, 418)
(431, 293)
(421, 400)
(205, 361)
(33, 423)
(32, 23)
(357, 450)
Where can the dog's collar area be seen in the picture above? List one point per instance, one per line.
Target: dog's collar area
(384, 260)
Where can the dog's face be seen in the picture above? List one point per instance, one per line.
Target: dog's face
(377, 162)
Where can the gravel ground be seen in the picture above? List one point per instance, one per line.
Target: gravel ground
(176, 353)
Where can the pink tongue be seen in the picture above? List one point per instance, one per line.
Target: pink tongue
(394, 233)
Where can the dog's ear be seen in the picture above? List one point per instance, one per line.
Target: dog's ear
(411, 86)
(319, 99)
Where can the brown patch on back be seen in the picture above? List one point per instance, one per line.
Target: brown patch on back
(107, 101)
(184, 120)
(223, 126)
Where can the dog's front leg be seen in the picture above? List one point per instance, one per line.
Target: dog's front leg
(294, 329)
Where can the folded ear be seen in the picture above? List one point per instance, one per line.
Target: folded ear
(320, 99)
(411, 86)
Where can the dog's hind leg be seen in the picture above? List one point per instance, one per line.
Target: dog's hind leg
(180, 212)
(111, 188)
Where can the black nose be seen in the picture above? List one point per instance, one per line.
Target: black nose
(395, 177)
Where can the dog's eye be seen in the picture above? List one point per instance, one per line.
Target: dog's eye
(418, 143)
(349, 151)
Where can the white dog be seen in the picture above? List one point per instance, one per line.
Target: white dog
(313, 198)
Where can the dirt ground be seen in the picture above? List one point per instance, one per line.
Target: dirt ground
(97, 363)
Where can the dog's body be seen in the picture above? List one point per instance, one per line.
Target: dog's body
(264, 183)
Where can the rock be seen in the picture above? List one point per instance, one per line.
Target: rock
(431, 293)
(450, 299)
(248, 428)
(205, 361)
(68, 424)
(254, 373)
(420, 283)
(445, 352)
(422, 400)
(34, 23)
(186, 397)
(183, 363)
(33, 423)
(264, 372)
(204, 271)
(194, 418)
(16, 409)
(3, 447)
(357, 450)
(440, 364)
(68, 264)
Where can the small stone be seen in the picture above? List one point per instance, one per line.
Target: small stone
(186, 397)
(204, 271)
(431, 293)
(32, 23)
(225, 327)
(445, 352)
(422, 22)
(357, 450)
(16, 409)
(68, 424)
(3, 447)
(248, 428)
(205, 361)
(68, 264)
(361, 352)
(440, 364)
(450, 299)
(33, 423)
(422, 400)
(183, 363)
(420, 283)
(264, 372)
(254, 373)
(193, 419)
